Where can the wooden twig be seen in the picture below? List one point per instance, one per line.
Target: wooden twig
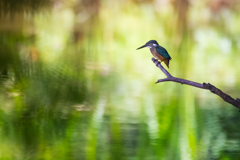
(207, 86)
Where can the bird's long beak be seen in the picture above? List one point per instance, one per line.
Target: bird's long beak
(142, 46)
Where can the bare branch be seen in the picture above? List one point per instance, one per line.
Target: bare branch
(207, 86)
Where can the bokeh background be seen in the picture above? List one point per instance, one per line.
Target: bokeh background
(74, 87)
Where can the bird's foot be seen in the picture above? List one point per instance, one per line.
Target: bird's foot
(157, 60)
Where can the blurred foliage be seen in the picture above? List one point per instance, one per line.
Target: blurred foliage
(15, 7)
(73, 86)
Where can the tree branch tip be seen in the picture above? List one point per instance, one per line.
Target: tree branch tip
(157, 81)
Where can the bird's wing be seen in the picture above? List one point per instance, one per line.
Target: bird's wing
(163, 52)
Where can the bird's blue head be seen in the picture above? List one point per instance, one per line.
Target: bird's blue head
(150, 44)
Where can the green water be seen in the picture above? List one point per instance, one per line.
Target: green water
(74, 87)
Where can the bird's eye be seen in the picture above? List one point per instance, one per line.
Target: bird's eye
(154, 45)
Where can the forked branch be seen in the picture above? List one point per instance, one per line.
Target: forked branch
(207, 86)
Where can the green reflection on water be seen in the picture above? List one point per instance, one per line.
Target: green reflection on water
(73, 86)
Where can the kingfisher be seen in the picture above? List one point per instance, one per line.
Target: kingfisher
(158, 51)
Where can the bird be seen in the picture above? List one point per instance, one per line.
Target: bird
(158, 51)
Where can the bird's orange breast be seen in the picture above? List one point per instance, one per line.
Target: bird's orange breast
(158, 56)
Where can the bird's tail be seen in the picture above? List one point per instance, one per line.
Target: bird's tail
(167, 63)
